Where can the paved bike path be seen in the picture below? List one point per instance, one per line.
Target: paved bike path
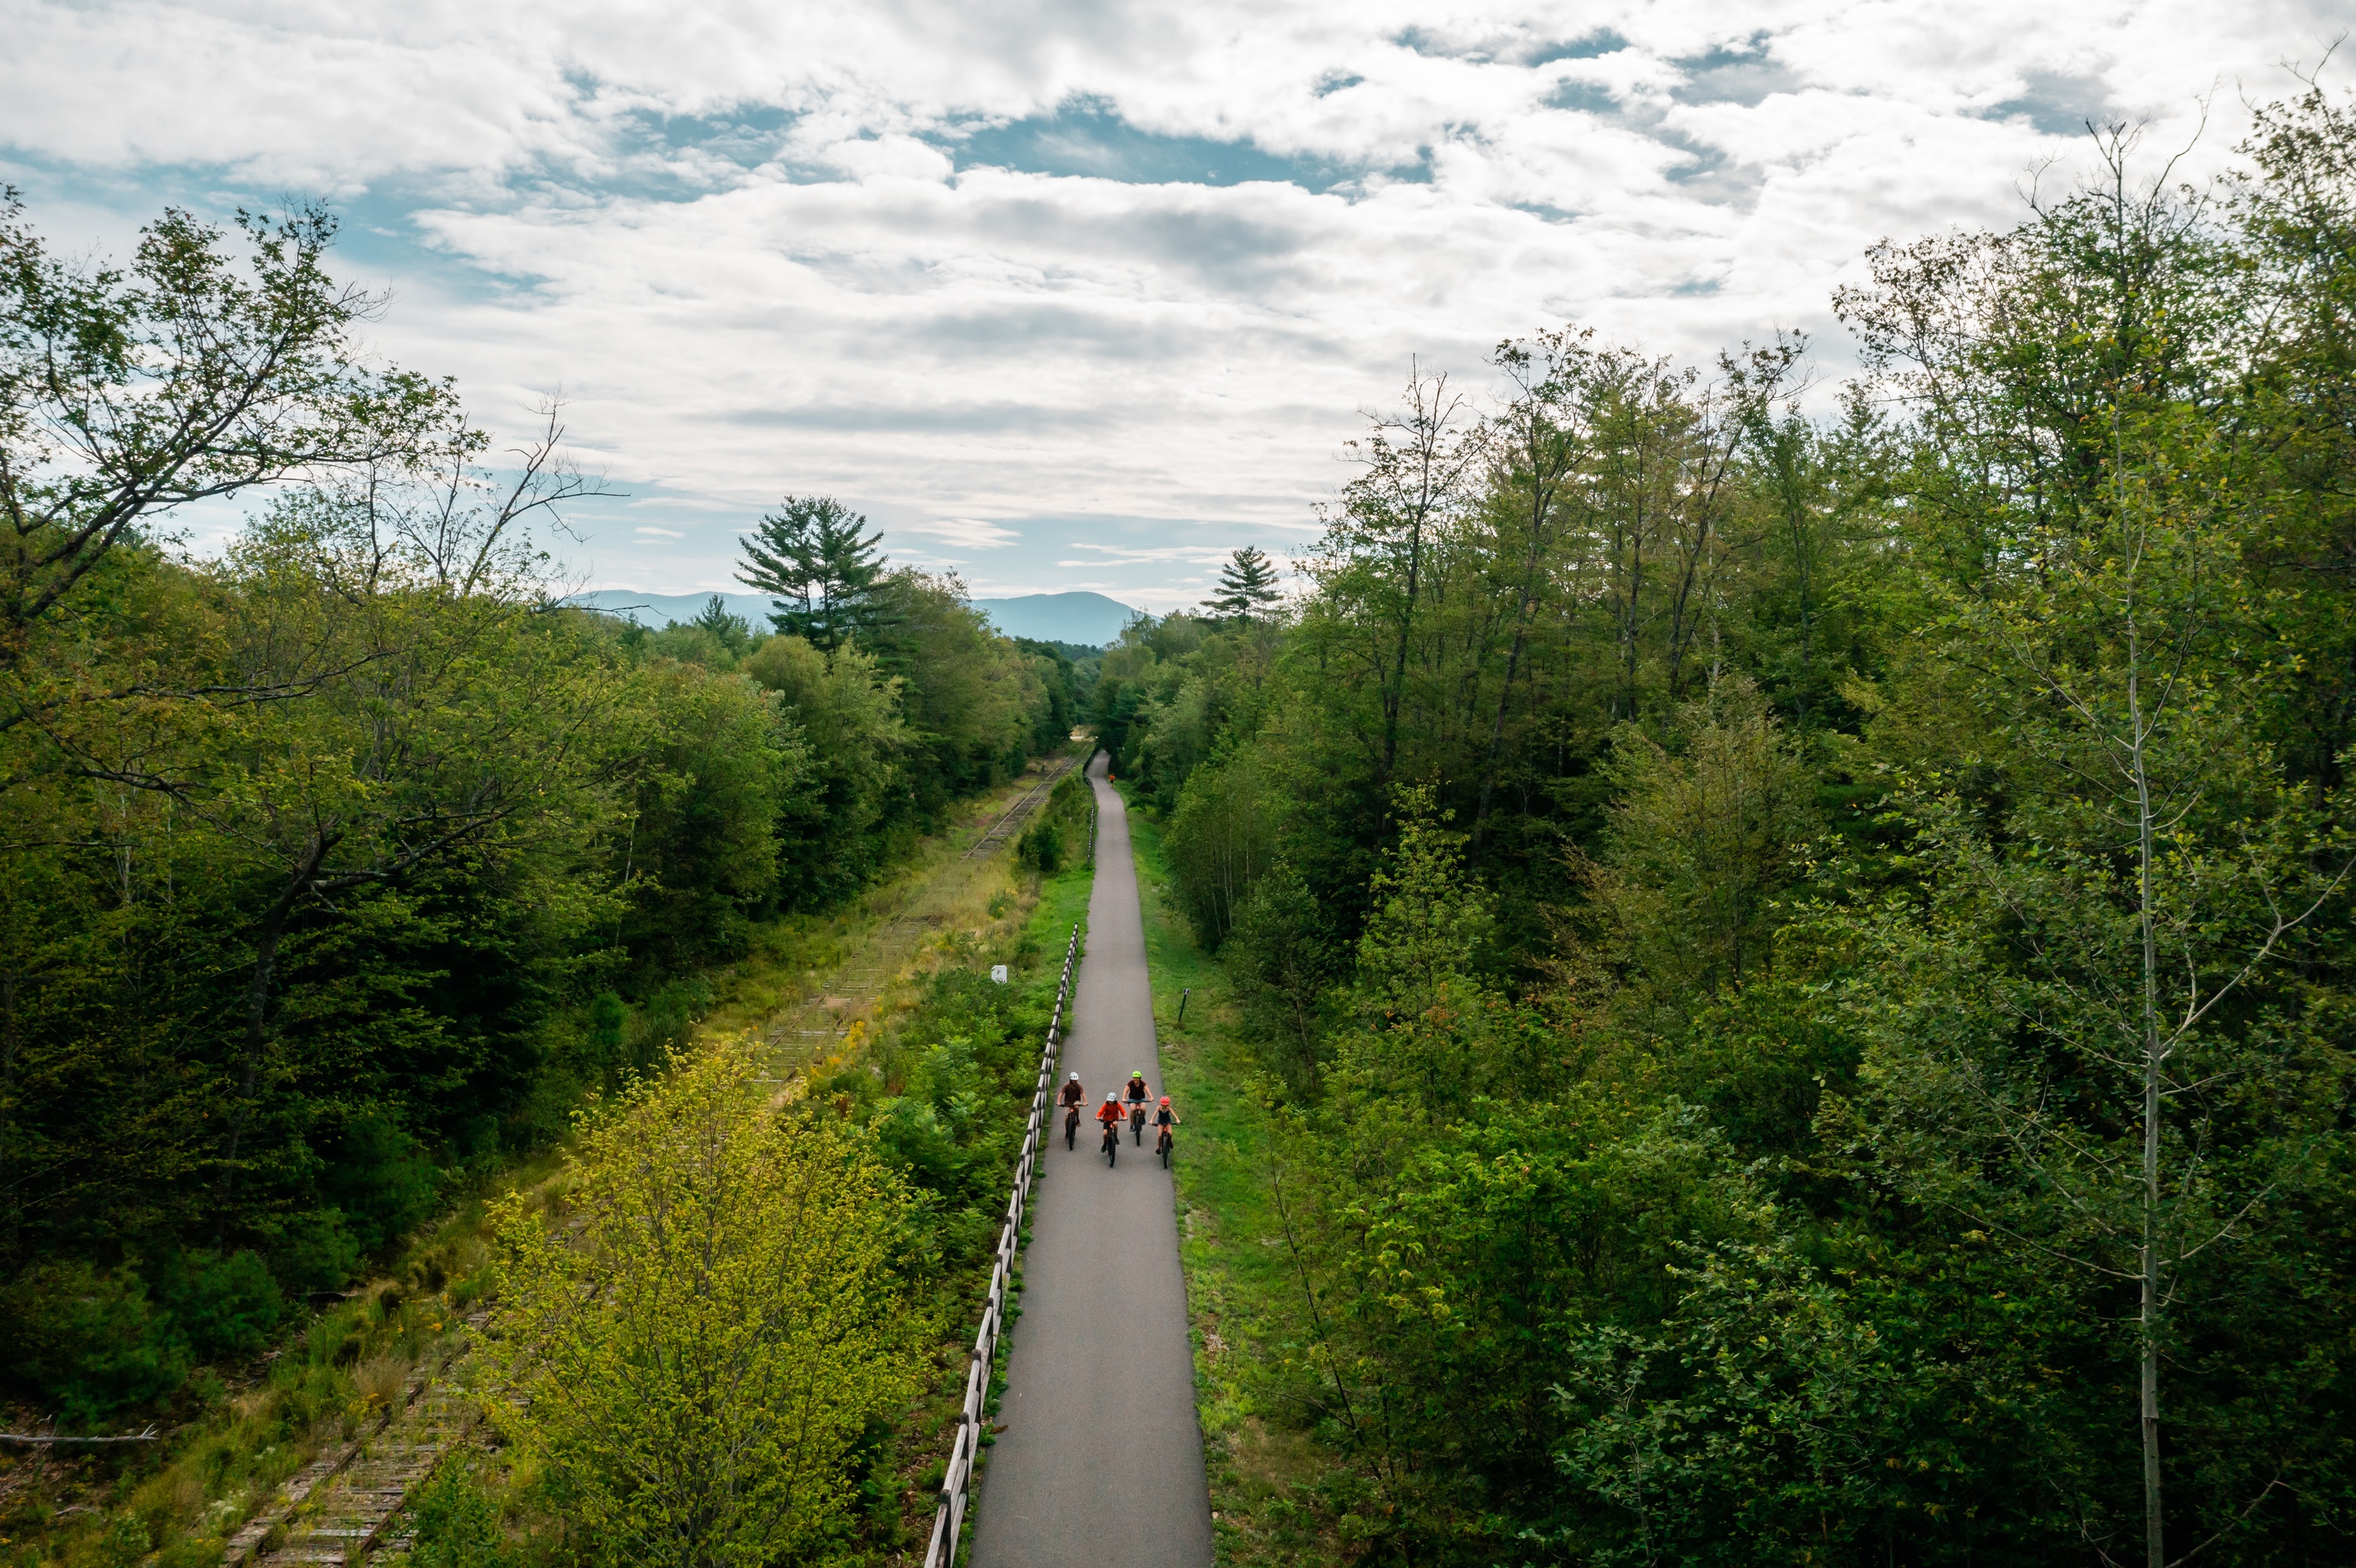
(1102, 1457)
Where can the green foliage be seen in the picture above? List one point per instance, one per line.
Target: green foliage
(701, 1360)
(730, 630)
(1428, 923)
(380, 1181)
(1867, 1081)
(1223, 838)
(454, 1519)
(947, 1112)
(338, 866)
(1059, 829)
(832, 832)
(1247, 585)
(1772, 1409)
(718, 777)
(197, 371)
(1698, 843)
(1282, 956)
(86, 1343)
(810, 553)
(968, 695)
(224, 1307)
(1041, 848)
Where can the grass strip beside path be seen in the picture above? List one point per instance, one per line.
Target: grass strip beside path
(1272, 1499)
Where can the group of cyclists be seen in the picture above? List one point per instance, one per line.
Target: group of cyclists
(1122, 1106)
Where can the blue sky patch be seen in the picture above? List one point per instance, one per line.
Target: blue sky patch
(2056, 104)
(1744, 76)
(1593, 46)
(1093, 141)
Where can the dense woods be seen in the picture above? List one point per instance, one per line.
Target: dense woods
(338, 866)
(1798, 938)
(1795, 940)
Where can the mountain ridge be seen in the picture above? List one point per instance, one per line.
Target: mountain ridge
(1079, 616)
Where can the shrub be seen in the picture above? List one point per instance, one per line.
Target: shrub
(86, 1344)
(457, 1520)
(720, 1246)
(1041, 848)
(313, 1252)
(221, 1306)
(608, 1030)
(667, 1023)
(382, 1181)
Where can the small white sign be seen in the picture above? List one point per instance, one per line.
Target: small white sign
(998, 973)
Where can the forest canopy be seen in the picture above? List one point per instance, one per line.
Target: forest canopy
(337, 867)
(1794, 941)
(1797, 938)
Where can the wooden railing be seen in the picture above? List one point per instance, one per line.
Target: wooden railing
(949, 1516)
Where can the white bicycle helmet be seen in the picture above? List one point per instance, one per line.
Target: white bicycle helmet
(1076, 1078)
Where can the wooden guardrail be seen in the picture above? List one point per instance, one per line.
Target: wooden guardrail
(948, 1517)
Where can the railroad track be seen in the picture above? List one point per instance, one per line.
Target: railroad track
(894, 943)
(346, 1506)
(1011, 821)
(802, 1032)
(334, 1510)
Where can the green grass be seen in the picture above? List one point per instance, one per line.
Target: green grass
(329, 1381)
(1063, 903)
(1268, 1476)
(237, 1433)
(892, 1511)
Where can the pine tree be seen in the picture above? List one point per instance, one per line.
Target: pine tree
(733, 631)
(1247, 586)
(810, 554)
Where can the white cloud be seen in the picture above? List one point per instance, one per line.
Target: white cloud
(803, 246)
(1194, 553)
(964, 533)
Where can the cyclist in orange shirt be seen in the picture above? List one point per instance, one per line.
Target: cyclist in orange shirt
(1112, 1116)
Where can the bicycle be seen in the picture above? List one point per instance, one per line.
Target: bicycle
(1072, 1127)
(1137, 1121)
(1113, 1143)
(1162, 1146)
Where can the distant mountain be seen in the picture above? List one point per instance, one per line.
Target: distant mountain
(663, 609)
(1088, 619)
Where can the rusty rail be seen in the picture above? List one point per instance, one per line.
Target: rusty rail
(1015, 816)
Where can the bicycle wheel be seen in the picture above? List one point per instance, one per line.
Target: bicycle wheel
(1165, 1151)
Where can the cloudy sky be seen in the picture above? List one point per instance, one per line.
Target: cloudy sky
(1077, 294)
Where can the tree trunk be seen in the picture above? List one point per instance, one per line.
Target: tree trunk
(1397, 692)
(2150, 1282)
(9, 981)
(1497, 733)
(1795, 516)
(257, 1000)
(1632, 588)
(1513, 666)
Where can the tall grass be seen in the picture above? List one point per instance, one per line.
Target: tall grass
(236, 1434)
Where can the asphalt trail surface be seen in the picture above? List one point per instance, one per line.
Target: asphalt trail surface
(1102, 1461)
